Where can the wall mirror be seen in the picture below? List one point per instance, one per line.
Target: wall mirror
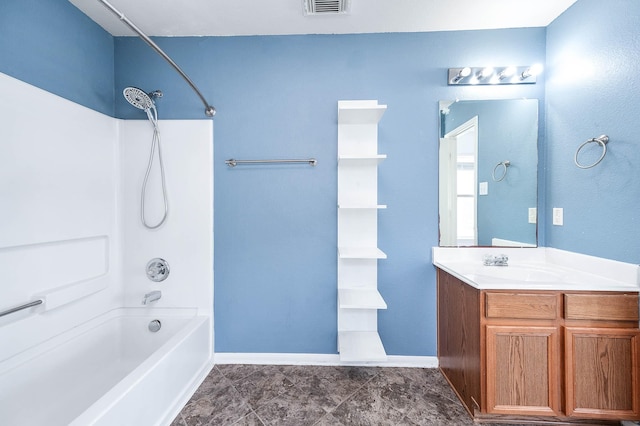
(488, 169)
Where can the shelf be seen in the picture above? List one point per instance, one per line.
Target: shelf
(361, 160)
(362, 206)
(360, 298)
(360, 346)
(360, 112)
(361, 253)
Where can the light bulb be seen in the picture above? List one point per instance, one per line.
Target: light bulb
(507, 72)
(464, 72)
(532, 71)
(486, 72)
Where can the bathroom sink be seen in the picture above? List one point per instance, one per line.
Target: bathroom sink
(537, 269)
(518, 273)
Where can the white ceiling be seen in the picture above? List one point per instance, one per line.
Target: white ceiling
(271, 17)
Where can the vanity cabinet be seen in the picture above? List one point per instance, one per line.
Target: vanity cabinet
(552, 355)
(601, 356)
(522, 370)
(521, 350)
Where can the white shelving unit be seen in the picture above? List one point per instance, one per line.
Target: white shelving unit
(358, 252)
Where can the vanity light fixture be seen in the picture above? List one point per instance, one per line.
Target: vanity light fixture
(532, 71)
(507, 72)
(494, 75)
(464, 72)
(485, 73)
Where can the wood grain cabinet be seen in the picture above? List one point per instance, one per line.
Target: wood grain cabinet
(601, 356)
(459, 338)
(561, 356)
(522, 370)
(521, 352)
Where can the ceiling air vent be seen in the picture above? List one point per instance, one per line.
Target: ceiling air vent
(325, 7)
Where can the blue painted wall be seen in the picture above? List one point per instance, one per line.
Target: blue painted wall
(54, 46)
(275, 226)
(593, 88)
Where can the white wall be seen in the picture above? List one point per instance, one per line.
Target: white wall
(58, 177)
(70, 229)
(185, 240)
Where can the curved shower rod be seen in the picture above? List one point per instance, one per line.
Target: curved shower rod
(208, 109)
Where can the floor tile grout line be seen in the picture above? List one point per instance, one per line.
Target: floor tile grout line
(254, 408)
(239, 378)
(251, 409)
(338, 404)
(262, 422)
(327, 413)
(247, 415)
(404, 415)
(353, 393)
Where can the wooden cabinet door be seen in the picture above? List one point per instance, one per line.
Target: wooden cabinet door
(522, 370)
(601, 372)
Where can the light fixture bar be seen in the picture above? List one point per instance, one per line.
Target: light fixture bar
(469, 76)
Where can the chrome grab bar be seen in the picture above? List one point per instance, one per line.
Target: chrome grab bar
(21, 307)
(232, 163)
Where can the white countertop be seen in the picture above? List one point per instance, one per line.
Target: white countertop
(539, 268)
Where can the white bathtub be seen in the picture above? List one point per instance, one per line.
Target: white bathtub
(109, 371)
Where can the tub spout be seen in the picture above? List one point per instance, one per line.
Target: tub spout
(151, 297)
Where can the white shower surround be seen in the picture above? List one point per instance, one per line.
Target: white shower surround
(70, 230)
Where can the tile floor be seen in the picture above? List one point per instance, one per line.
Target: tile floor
(310, 395)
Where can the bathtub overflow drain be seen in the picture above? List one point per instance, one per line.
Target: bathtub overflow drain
(154, 326)
(157, 269)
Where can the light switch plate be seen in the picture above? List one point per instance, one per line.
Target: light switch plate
(558, 218)
(533, 215)
(483, 188)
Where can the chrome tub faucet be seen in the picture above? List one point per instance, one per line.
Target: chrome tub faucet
(151, 297)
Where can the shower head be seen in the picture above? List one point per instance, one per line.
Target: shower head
(138, 98)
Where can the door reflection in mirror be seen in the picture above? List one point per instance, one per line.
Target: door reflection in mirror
(459, 152)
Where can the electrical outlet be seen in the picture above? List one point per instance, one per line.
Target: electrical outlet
(533, 215)
(483, 188)
(558, 218)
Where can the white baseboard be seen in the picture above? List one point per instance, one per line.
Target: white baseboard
(321, 359)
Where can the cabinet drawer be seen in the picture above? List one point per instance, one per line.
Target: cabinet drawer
(521, 305)
(603, 307)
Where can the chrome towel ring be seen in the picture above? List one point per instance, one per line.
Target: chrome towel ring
(601, 140)
(504, 165)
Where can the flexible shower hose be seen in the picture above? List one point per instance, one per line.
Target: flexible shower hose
(155, 143)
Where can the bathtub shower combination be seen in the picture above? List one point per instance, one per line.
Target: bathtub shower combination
(89, 336)
(112, 337)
